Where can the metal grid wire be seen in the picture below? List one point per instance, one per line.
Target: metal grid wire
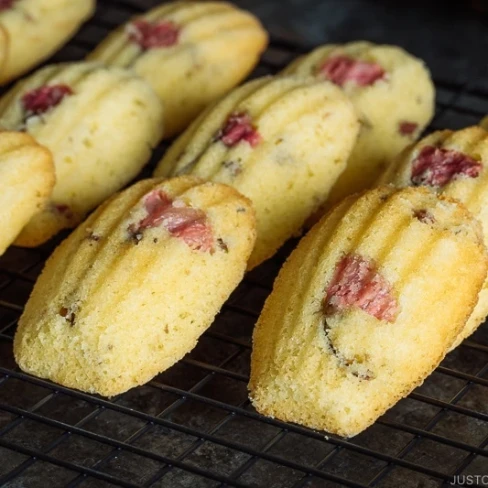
(193, 426)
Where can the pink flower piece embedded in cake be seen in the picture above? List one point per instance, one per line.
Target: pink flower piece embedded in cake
(238, 127)
(6, 4)
(151, 35)
(406, 128)
(42, 99)
(187, 223)
(357, 283)
(436, 166)
(341, 69)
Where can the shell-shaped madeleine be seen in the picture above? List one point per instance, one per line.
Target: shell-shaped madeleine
(190, 52)
(131, 290)
(393, 94)
(454, 163)
(26, 181)
(365, 308)
(35, 29)
(281, 141)
(100, 125)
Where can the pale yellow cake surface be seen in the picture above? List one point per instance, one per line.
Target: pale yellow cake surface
(109, 312)
(26, 181)
(340, 370)
(35, 29)
(100, 137)
(473, 192)
(307, 129)
(217, 47)
(405, 94)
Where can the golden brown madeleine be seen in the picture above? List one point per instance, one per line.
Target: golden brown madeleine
(131, 290)
(100, 125)
(35, 29)
(190, 52)
(26, 181)
(281, 141)
(393, 94)
(454, 163)
(365, 308)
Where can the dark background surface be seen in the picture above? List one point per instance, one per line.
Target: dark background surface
(452, 37)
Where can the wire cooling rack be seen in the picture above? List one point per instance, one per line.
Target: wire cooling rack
(193, 426)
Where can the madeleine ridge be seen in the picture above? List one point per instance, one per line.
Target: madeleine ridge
(190, 52)
(365, 308)
(131, 290)
(280, 141)
(100, 125)
(392, 93)
(455, 164)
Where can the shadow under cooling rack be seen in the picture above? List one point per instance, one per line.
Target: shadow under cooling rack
(193, 426)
